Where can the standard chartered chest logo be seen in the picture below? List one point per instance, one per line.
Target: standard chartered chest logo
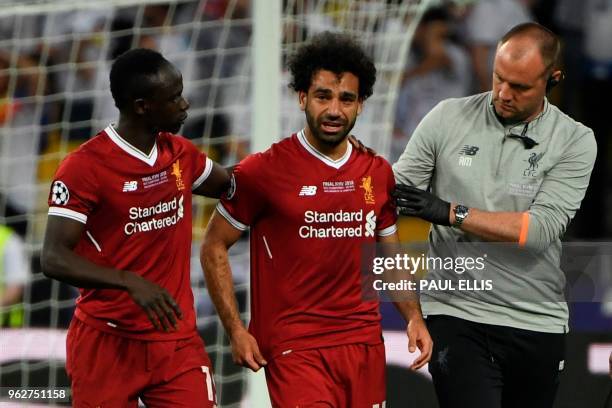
(337, 224)
(161, 215)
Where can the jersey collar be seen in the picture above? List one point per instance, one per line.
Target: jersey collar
(336, 164)
(149, 159)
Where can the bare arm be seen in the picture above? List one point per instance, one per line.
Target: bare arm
(418, 335)
(492, 226)
(216, 183)
(59, 261)
(219, 237)
(11, 295)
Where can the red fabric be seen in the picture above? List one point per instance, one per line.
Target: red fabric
(351, 375)
(114, 371)
(306, 290)
(115, 191)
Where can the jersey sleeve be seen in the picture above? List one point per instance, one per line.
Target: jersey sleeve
(200, 165)
(74, 190)
(386, 224)
(561, 193)
(245, 200)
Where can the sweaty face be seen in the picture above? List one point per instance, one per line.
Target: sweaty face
(331, 105)
(519, 81)
(167, 107)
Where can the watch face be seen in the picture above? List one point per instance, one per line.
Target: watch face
(461, 210)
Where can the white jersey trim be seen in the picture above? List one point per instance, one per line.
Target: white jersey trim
(150, 158)
(336, 164)
(93, 241)
(385, 232)
(235, 223)
(68, 213)
(207, 170)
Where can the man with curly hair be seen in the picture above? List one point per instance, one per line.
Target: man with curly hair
(312, 201)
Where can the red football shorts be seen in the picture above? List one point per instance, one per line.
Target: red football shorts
(351, 375)
(106, 370)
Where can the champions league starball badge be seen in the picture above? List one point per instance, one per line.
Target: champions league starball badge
(59, 193)
(232, 188)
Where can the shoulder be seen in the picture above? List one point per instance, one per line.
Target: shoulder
(281, 151)
(375, 162)
(577, 135)
(89, 153)
(176, 142)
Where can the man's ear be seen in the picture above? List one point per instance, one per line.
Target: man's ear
(302, 100)
(359, 106)
(140, 106)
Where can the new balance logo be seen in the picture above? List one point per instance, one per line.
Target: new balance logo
(465, 161)
(468, 150)
(308, 191)
(130, 186)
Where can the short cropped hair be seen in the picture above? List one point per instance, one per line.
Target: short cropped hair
(333, 52)
(133, 75)
(547, 41)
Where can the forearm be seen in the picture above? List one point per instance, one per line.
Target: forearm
(11, 295)
(492, 226)
(409, 309)
(218, 274)
(64, 265)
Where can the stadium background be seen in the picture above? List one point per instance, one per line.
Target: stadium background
(54, 62)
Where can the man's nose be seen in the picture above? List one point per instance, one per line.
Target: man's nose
(504, 92)
(333, 108)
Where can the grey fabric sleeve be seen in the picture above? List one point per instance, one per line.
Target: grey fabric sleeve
(416, 165)
(560, 194)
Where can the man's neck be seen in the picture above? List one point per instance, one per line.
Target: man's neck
(136, 135)
(334, 152)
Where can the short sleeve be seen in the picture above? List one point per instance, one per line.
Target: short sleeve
(245, 200)
(387, 219)
(201, 165)
(74, 190)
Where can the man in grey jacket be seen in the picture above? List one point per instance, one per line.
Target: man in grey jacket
(503, 166)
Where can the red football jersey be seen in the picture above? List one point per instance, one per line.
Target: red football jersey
(137, 214)
(309, 216)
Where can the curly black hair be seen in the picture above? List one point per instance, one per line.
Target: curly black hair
(333, 52)
(134, 73)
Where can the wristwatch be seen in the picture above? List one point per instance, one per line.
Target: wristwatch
(461, 213)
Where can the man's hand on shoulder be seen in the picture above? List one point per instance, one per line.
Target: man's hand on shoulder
(419, 203)
(360, 146)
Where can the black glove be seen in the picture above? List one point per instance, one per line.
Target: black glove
(422, 204)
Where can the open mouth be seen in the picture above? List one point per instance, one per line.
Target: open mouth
(332, 127)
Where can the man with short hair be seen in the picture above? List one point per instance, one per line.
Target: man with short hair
(312, 201)
(501, 166)
(119, 228)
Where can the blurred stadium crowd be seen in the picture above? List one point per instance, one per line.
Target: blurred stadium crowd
(54, 90)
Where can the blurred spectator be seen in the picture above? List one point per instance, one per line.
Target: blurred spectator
(597, 48)
(486, 23)
(568, 17)
(14, 275)
(20, 121)
(437, 69)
